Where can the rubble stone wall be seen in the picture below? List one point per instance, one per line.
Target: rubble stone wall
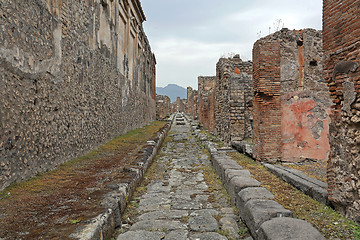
(192, 102)
(233, 77)
(206, 106)
(179, 105)
(341, 38)
(73, 74)
(163, 107)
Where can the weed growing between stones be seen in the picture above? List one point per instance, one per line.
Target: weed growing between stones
(326, 220)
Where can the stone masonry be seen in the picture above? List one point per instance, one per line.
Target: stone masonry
(73, 74)
(206, 107)
(192, 102)
(291, 101)
(179, 105)
(233, 97)
(163, 107)
(341, 38)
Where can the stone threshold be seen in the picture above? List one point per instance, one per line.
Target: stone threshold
(103, 226)
(265, 218)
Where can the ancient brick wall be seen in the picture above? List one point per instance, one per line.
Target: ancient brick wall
(291, 102)
(341, 39)
(233, 95)
(163, 107)
(267, 114)
(73, 74)
(206, 106)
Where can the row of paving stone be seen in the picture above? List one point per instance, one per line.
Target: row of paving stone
(265, 218)
(310, 186)
(178, 203)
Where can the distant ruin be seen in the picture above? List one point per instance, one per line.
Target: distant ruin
(206, 107)
(163, 107)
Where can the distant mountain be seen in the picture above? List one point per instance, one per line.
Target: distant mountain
(172, 91)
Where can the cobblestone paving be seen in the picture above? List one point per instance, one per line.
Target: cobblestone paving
(183, 199)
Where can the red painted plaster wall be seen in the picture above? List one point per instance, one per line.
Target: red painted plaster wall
(305, 134)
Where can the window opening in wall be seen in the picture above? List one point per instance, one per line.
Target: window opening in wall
(313, 63)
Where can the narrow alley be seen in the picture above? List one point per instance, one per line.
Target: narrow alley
(181, 196)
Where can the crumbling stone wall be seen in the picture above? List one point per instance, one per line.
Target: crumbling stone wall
(163, 107)
(291, 102)
(206, 108)
(192, 102)
(233, 94)
(73, 74)
(341, 38)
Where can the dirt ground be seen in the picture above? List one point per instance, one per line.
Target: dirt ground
(313, 169)
(54, 204)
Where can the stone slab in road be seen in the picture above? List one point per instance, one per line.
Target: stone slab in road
(180, 200)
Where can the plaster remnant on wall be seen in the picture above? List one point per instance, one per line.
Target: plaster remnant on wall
(317, 129)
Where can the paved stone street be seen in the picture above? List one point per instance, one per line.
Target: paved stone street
(182, 197)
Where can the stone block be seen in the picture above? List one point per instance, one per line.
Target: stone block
(230, 173)
(258, 211)
(203, 223)
(250, 193)
(99, 227)
(284, 228)
(141, 234)
(237, 184)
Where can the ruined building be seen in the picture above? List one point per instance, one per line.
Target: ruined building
(73, 74)
(291, 101)
(233, 99)
(179, 105)
(341, 36)
(206, 102)
(163, 107)
(192, 102)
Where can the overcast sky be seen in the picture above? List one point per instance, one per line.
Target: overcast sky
(189, 36)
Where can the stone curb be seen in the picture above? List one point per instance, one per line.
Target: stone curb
(312, 187)
(243, 147)
(114, 202)
(255, 203)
